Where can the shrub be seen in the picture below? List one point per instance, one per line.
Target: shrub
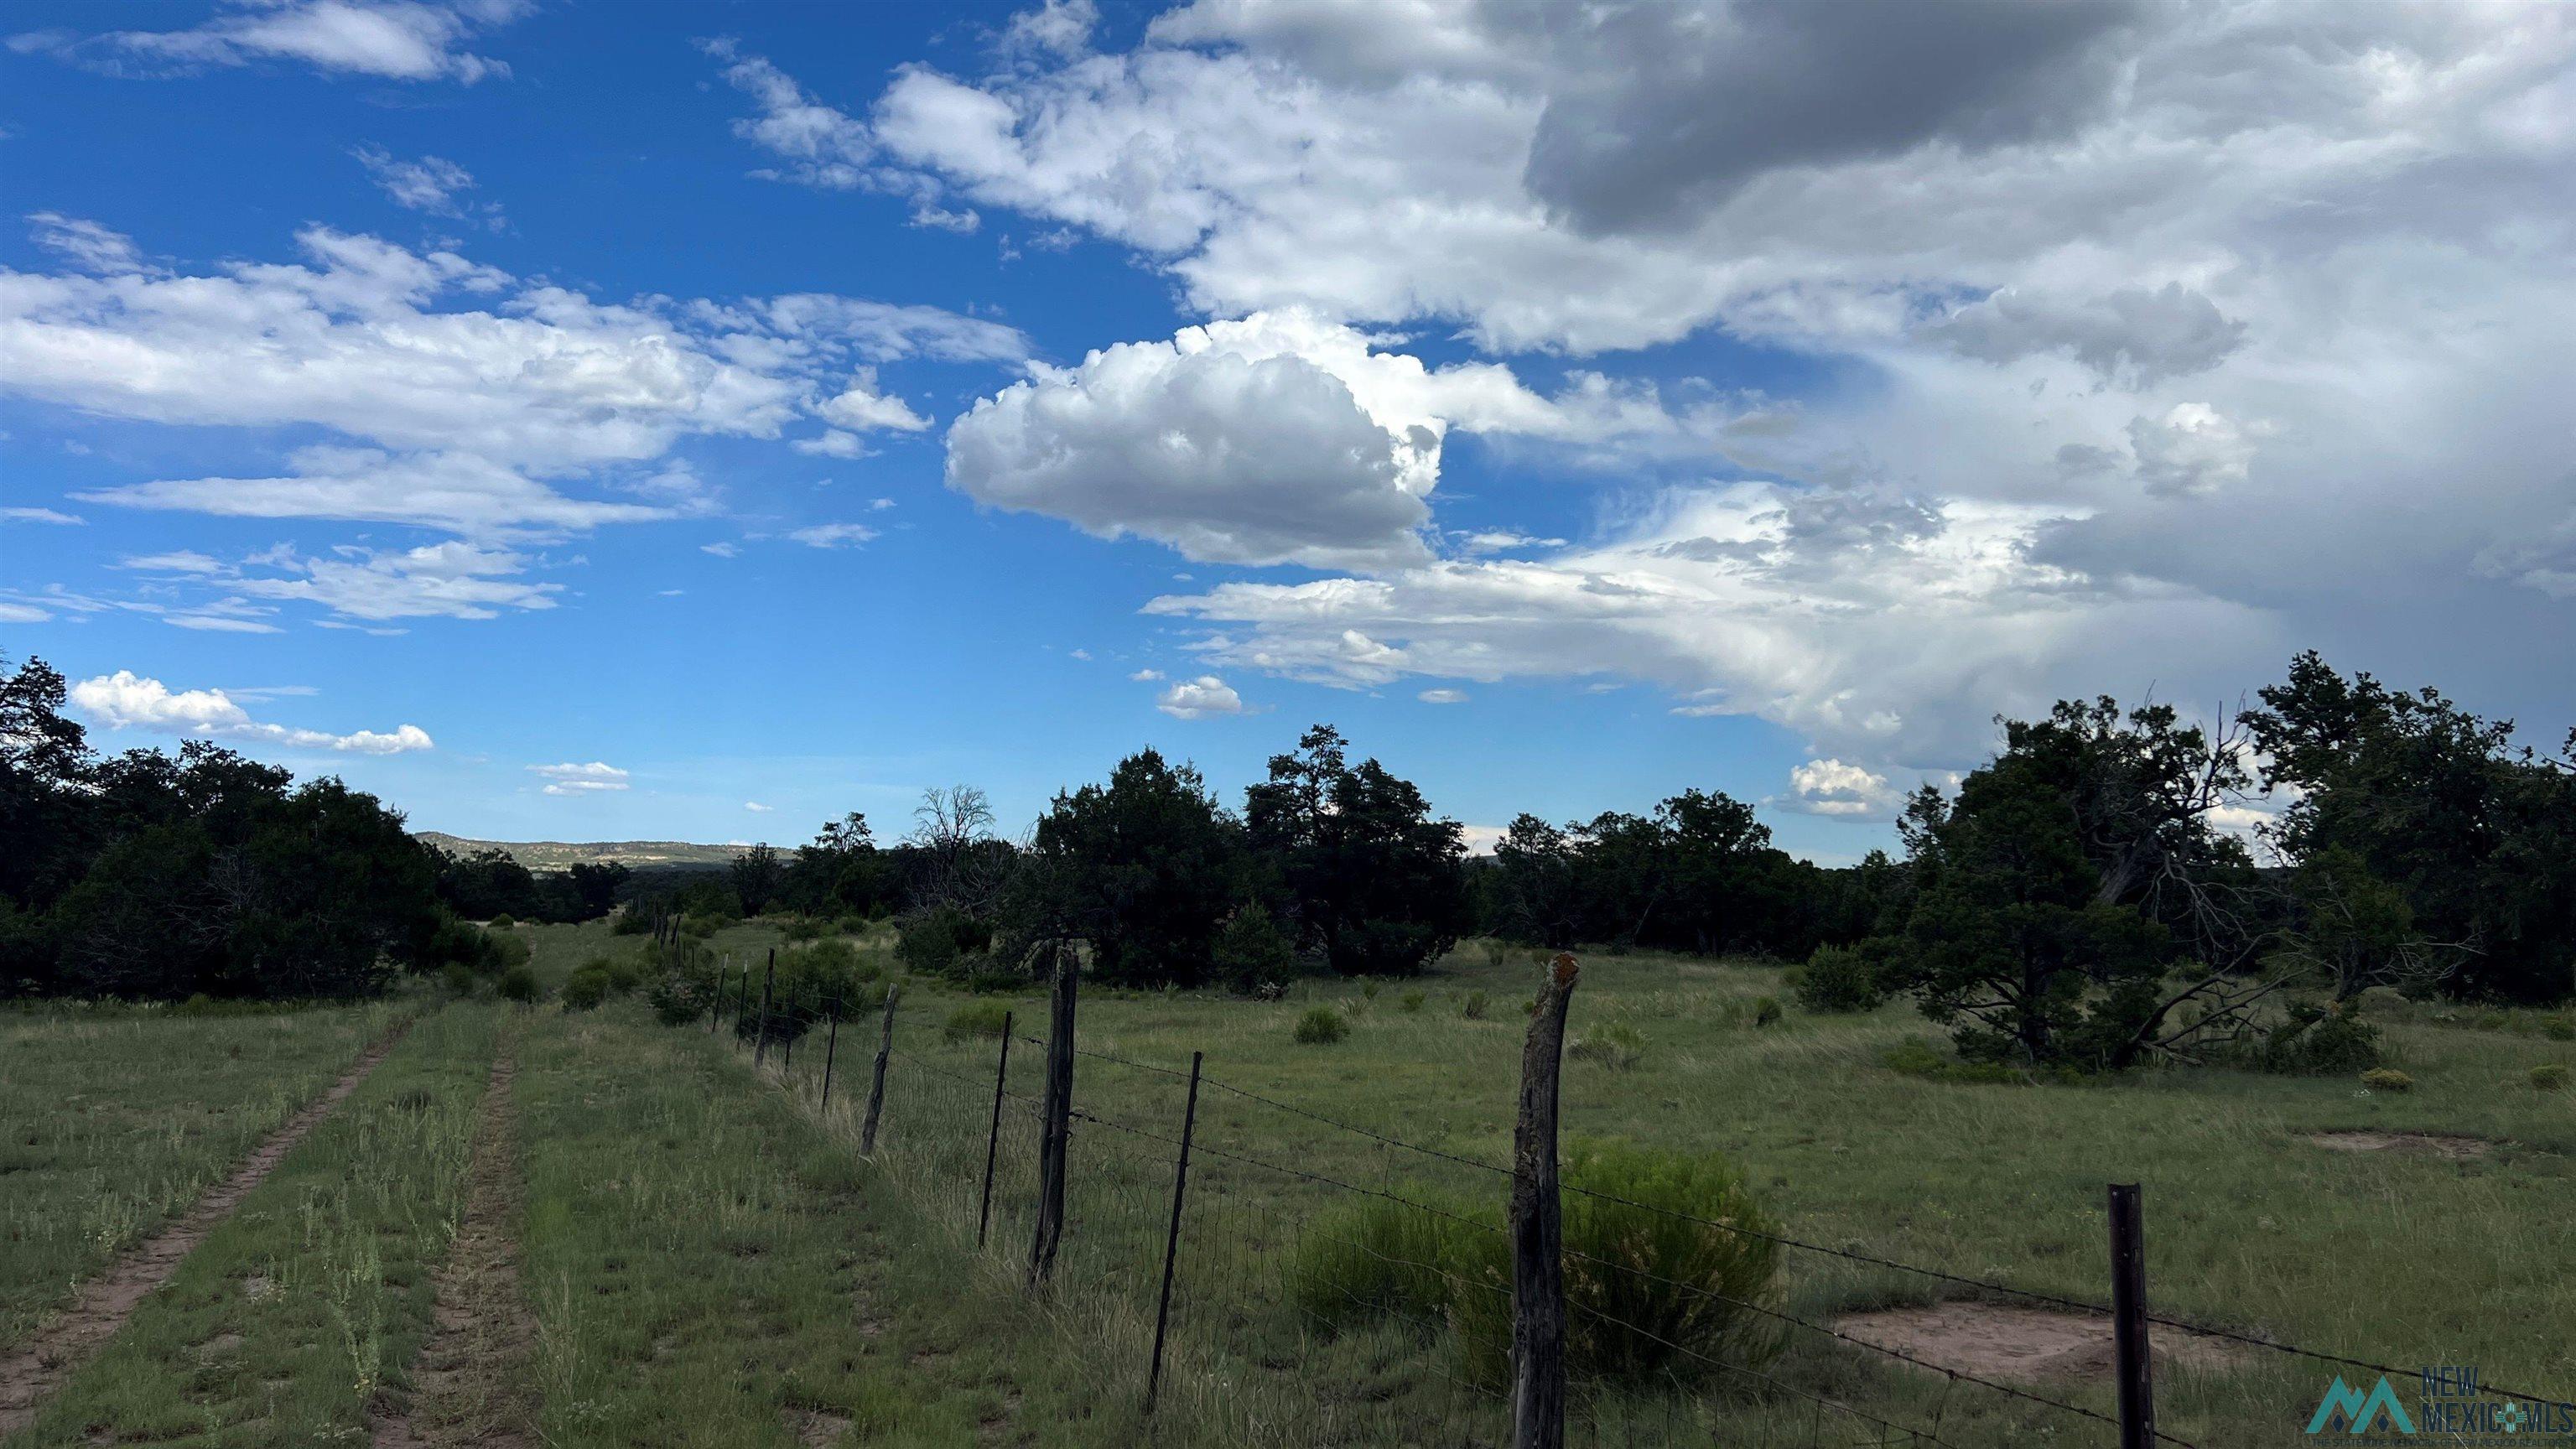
(1474, 1007)
(502, 922)
(509, 950)
(1378, 1257)
(682, 997)
(584, 989)
(2558, 1028)
(1368, 990)
(1251, 951)
(2387, 1079)
(851, 925)
(2550, 1078)
(1837, 979)
(1766, 1010)
(624, 975)
(633, 919)
(699, 928)
(934, 942)
(1614, 1044)
(803, 928)
(1412, 1000)
(2327, 1041)
(976, 1018)
(459, 978)
(1321, 1027)
(519, 983)
(1651, 1292)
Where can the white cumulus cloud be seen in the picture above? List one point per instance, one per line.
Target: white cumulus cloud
(124, 700)
(1206, 697)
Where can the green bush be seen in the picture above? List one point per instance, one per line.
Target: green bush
(2321, 1041)
(1412, 1000)
(976, 1018)
(1475, 1006)
(459, 978)
(1613, 1044)
(681, 997)
(851, 925)
(502, 922)
(1377, 1258)
(939, 941)
(584, 989)
(2550, 1078)
(624, 973)
(803, 928)
(2558, 1028)
(700, 928)
(1321, 1026)
(510, 950)
(633, 919)
(1653, 1290)
(1837, 979)
(519, 983)
(2387, 1079)
(1766, 1010)
(1252, 953)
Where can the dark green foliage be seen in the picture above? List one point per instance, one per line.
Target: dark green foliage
(2479, 835)
(1766, 1010)
(842, 872)
(2321, 1041)
(501, 922)
(1377, 1258)
(1252, 954)
(1915, 1057)
(2387, 1079)
(1837, 979)
(2550, 1077)
(519, 983)
(940, 941)
(154, 876)
(2056, 895)
(584, 989)
(459, 978)
(1321, 1026)
(2559, 1028)
(1373, 882)
(758, 875)
(1142, 868)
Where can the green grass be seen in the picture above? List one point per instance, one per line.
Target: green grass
(119, 1118)
(2396, 1257)
(288, 1318)
(712, 1264)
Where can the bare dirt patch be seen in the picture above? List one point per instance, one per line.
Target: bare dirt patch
(35, 1369)
(470, 1384)
(2434, 1144)
(2022, 1345)
(816, 1429)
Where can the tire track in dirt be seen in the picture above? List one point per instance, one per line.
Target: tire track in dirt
(469, 1385)
(31, 1372)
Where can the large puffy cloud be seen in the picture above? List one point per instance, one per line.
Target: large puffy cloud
(124, 700)
(1276, 438)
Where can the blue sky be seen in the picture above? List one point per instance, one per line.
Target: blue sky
(796, 406)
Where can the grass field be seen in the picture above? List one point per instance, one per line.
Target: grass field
(286, 1322)
(119, 1117)
(710, 1261)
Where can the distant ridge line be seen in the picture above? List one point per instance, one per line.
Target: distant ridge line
(563, 855)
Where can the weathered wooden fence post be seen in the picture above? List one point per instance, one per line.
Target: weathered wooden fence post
(760, 1037)
(1538, 1226)
(876, 1079)
(993, 1141)
(715, 999)
(742, 1003)
(831, 1049)
(2129, 1318)
(1056, 1120)
(1172, 1238)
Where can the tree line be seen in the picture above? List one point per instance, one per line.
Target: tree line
(2089, 895)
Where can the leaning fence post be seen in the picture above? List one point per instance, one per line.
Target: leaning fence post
(1172, 1238)
(2129, 1318)
(760, 1040)
(993, 1142)
(876, 1079)
(1538, 1226)
(742, 1003)
(831, 1048)
(715, 999)
(1056, 1120)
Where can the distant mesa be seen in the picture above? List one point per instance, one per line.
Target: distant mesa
(564, 855)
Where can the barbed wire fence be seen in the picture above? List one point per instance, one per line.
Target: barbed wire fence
(1186, 1241)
